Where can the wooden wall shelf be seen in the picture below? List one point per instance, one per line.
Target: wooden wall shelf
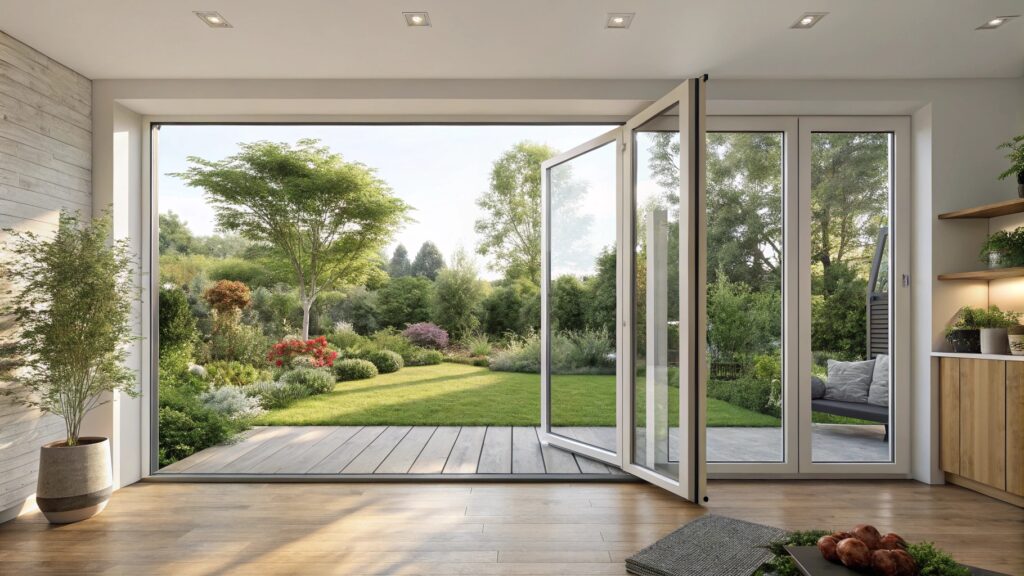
(992, 274)
(1015, 206)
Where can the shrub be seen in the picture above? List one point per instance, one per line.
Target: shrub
(232, 340)
(175, 360)
(272, 395)
(390, 339)
(227, 295)
(424, 357)
(427, 335)
(750, 393)
(245, 271)
(229, 373)
(345, 339)
(277, 310)
(231, 402)
(520, 355)
(360, 309)
(177, 325)
(354, 369)
(405, 300)
(285, 352)
(482, 361)
(502, 312)
(458, 294)
(187, 426)
(315, 380)
(586, 352)
(386, 361)
(568, 304)
(592, 350)
(478, 345)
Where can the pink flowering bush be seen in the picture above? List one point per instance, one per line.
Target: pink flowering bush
(427, 335)
(315, 353)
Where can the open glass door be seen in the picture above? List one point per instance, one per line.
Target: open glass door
(658, 262)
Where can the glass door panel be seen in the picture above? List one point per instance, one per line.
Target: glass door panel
(580, 258)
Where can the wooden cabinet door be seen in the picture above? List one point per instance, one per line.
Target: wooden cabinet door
(1015, 428)
(983, 421)
(949, 415)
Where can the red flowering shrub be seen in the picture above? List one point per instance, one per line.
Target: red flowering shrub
(287, 350)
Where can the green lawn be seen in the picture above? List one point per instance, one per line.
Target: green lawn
(455, 394)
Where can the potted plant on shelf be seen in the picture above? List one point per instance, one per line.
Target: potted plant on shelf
(963, 333)
(1016, 158)
(72, 302)
(993, 324)
(1004, 249)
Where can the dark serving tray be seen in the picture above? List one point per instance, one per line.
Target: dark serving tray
(810, 562)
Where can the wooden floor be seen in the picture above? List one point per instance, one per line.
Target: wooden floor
(471, 528)
(397, 450)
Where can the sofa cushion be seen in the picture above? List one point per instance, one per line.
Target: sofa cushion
(878, 392)
(817, 388)
(849, 381)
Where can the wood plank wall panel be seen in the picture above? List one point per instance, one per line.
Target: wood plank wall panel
(983, 421)
(1015, 428)
(45, 165)
(949, 410)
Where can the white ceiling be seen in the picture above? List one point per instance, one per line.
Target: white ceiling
(523, 38)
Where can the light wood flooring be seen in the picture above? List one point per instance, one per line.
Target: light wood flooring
(471, 528)
(399, 450)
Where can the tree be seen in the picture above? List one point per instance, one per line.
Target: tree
(175, 237)
(568, 304)
(324, 217)
(428, 262)
(405, 300)
(458, 294)
(400, 265)
(510, 231)
(602, 292)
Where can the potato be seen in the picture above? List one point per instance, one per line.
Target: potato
(867, 534)
(840, 536)
(854, 553)
(906, 563)
(884, 563)
(827, 546)
(892, 542)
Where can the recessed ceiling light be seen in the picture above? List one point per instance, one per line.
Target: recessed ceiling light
(417, 19)
(213, 19)
(996, 22)
(619, 20)
(808, 20)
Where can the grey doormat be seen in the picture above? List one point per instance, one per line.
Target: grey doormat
(708, 546)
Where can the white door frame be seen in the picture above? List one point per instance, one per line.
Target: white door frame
(899, 294)
(791, 269)
(613, 136)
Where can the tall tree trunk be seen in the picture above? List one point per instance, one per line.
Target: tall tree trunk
(307, 303)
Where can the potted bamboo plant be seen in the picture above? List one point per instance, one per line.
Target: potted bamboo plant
(72, 296)
(1016, 158)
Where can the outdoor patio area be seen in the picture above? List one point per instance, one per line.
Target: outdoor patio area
(485, 450)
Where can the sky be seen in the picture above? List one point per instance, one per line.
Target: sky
(439, 170)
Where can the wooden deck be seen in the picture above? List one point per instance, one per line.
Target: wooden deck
(381, 451)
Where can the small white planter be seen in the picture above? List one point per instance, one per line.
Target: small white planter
(75, 482)
(994, 341)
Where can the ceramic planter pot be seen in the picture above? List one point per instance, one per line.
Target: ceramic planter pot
(1015, 336)
(965, 340)
(75, 482)
(1020, 184)
(993, 341)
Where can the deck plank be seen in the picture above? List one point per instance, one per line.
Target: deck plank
(199, 457)
(558, 461)
(337, 460)
(435, 454)
(401, 459)
(251, 459)
(369, 459)
(496, 456)
(236, 451)
(465, 453)
(526, 453)
(301, 459)
(305, 437)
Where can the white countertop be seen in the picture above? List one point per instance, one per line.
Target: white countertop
(978, 356)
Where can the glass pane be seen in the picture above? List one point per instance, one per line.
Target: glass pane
(851, 186)
(581, 297)
(656, 299)
(744, 296)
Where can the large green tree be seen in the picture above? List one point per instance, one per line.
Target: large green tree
(400, 265)
(510, 231)
(327, 219)
(175, 237)
(428, 262)
(458, 294)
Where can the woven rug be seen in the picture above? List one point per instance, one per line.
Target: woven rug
(708, 546)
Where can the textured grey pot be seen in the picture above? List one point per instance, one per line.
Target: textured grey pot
(1016, 340)
(75, 482)
(994, 341)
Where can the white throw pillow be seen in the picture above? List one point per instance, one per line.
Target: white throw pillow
(878, 393)
(849, 381)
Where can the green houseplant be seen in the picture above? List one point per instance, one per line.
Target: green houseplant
(1004, 249)
(993, 323)
(72, 300)
(1016, 158)
(963, 332)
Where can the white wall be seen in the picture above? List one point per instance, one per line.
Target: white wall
(45, 165)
